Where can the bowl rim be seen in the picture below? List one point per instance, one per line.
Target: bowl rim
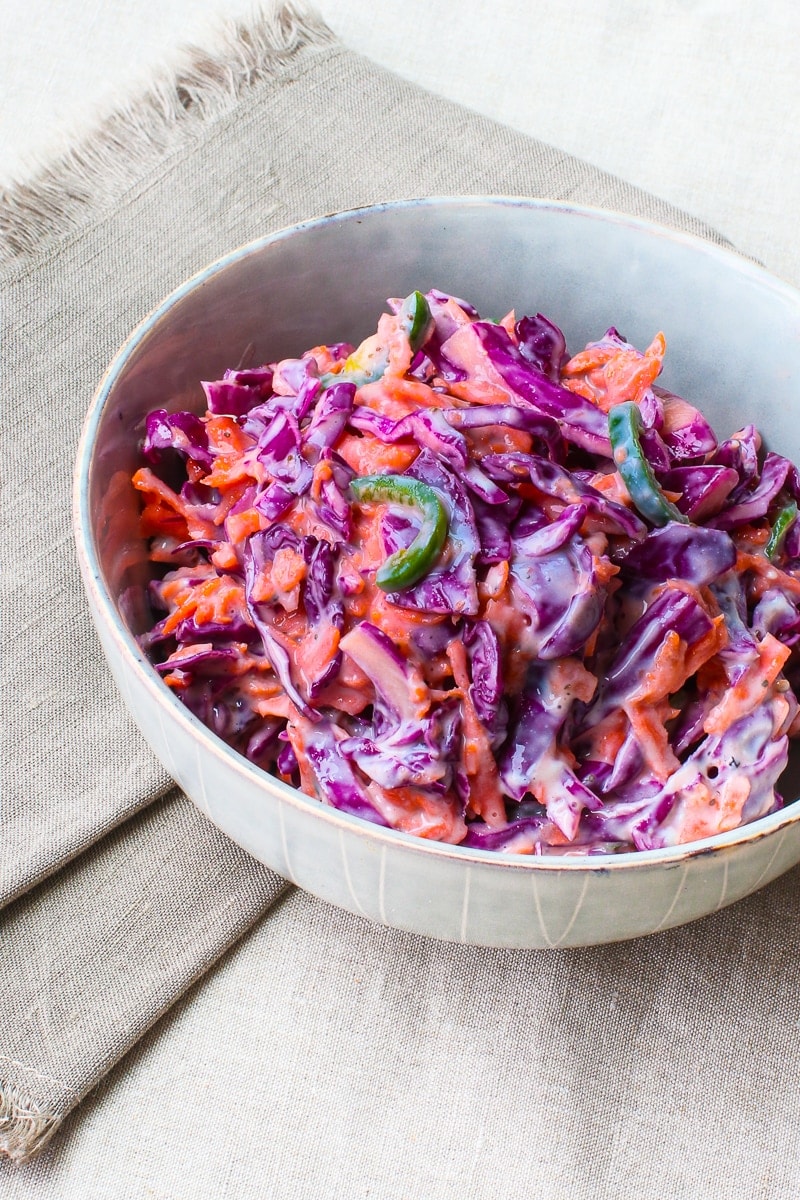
(100, 598)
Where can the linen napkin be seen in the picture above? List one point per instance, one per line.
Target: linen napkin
(280, 125)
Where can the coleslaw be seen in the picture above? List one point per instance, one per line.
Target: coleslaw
(456, 582)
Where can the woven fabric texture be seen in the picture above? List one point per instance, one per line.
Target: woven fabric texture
(277, 131)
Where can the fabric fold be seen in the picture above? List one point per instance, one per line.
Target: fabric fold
(94, 956)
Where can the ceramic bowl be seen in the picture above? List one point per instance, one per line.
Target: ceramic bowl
(733, 334)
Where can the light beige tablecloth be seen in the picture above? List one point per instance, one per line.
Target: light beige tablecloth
(325, 1057)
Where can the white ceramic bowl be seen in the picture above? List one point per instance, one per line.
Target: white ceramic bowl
(733, 335)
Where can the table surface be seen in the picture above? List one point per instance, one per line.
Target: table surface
(695, 101)
(692, 100)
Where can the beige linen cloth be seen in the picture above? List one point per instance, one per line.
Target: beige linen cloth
(119, 894)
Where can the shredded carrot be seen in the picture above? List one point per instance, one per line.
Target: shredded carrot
(224, 557)
(241, 525)
(325, 360)
(157, 519)
(751, 537)
(297, 729)
(766, 575)
(648, 708)
(219, 600)
(144, 480)
(603, 741)
(508, 323)
(498, 439)
(229, 497)
(315, 652)
(705, 811)
(421, 812)
(367, 455)
(609, 375)
(752, 689)
(495, 582)
(512, 629)
(227, 437)
(351, 691)
(485, 792)
(288, 569)
(648, 723)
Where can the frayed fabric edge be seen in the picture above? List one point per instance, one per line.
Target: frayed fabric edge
(200, 87)
(24, 1128)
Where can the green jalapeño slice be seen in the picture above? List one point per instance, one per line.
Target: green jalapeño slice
(625, 430)
(406, 567)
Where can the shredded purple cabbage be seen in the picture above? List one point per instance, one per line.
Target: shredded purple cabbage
(563, 675)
